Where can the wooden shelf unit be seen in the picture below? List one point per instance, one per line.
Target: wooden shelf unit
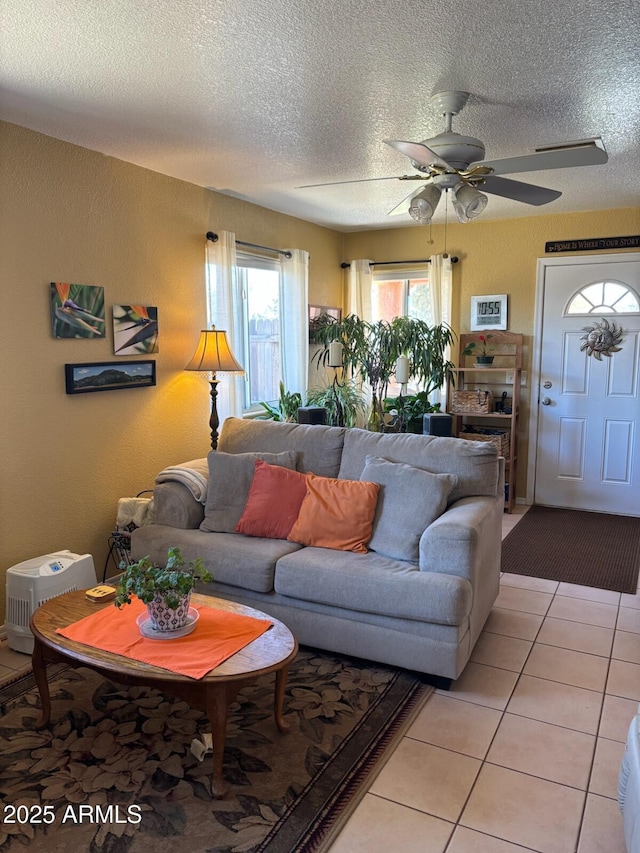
(504, 375)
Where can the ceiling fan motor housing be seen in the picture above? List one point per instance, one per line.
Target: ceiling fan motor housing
(457, 150)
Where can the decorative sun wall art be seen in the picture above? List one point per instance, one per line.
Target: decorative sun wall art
(77, 310)
(135, 329)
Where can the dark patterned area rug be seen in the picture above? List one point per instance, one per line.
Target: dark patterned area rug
(586, 548)
(115, 772)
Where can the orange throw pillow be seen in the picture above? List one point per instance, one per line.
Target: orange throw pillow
(336, 514)
(274, 501)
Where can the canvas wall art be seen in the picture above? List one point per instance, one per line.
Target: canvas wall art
(109, 375)
(77, 310)
(135, 329)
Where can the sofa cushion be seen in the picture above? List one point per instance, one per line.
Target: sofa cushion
(474, 462)
(231, 558)
(336, 514)
(230, 477)
(372, 583)
(410, 500)
(319, 446)
(274, 501)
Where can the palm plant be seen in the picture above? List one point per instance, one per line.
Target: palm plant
(370, 352)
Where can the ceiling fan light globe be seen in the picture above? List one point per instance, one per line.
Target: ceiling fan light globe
(468, 203)
(420, 210)
(423, 205)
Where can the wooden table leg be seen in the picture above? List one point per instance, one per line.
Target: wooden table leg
(40, 675)
(217, 702)
(278, 703)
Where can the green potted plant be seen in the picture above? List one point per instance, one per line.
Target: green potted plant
(370, 352)
(342, 400)
(286, 409)
(166, 590)
(480, 349)
(407, 411)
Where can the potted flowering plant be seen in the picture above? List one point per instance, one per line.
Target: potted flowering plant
(480, 349)
(166, 590)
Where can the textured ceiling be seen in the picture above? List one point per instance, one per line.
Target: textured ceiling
(256, 97)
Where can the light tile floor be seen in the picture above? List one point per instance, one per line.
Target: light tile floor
(523, 753)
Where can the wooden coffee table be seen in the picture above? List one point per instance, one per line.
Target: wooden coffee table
(273, 651)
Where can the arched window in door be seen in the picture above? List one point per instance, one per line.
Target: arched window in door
(604, 297)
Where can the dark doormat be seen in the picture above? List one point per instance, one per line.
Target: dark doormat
(572, 546)
(114, 772)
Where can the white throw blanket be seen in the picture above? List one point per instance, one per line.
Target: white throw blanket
(194, 475)
(134, 512)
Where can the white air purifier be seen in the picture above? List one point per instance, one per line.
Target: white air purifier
(31, 583)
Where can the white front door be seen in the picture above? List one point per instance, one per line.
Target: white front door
(587, 448)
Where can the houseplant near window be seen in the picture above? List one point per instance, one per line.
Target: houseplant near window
(344, 395)
(370, 352)
(286, 409)
(482, 353)
(408, 411)
(165, 590)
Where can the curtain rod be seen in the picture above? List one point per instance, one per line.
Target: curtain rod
(454, 260)
(211, 235)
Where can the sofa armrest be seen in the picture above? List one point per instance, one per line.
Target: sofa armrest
(467, 535)
(175, 506)
(466, 541)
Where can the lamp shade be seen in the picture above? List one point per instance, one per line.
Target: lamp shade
(468, 202)
(423, 205)
(213, 353)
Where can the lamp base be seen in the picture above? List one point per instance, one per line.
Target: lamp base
(214, 421)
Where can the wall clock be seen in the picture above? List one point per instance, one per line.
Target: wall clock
(488, 312)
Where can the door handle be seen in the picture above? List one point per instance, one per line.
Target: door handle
(546, 401)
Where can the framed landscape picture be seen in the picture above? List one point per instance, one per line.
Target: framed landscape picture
(109, 376)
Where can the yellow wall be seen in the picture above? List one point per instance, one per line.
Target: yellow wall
(73, 215)
(496, 256)
(68, 214)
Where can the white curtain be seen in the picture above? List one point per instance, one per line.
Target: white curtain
(224, 310)
(359, 286)
(441, 275)
(294, 299)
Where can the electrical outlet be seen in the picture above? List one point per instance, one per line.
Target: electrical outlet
(509, 377)
(523, 379)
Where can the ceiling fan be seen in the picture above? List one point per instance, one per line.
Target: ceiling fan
(450, 161)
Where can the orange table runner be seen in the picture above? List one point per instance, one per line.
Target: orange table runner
(218, 635)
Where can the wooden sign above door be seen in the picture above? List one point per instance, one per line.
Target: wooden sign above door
(593, 244)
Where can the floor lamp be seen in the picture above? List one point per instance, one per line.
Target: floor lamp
(213, 355)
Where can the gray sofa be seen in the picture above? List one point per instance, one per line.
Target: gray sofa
(424, 614)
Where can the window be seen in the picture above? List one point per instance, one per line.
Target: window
(259, 285)
(604, 297)
(408, 295)
(405, 295)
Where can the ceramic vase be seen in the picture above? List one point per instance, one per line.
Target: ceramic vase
(164, 618)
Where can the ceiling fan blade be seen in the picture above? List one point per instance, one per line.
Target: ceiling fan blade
(362, 181)
(519, 191)
(419, 153)
(403, 207)
(588, 153)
